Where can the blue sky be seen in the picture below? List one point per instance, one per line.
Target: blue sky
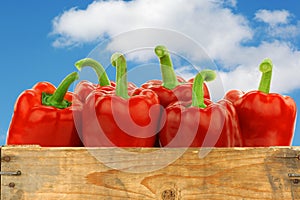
(41, 40)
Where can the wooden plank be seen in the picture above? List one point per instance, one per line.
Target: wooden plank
(164, 174)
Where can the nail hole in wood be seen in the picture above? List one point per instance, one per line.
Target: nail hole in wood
(11, 185)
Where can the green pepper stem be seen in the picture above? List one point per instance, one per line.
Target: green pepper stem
(266, 69)
(168, 74)
(197, 90)
(57, 98)
(118, 60)
(97, 67)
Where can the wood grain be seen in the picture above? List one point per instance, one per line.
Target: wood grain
(164, 174)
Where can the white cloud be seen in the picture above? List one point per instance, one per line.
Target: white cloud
(273, 17)
(203, 20)
(288, 31)
(210, 24)
(278, 23)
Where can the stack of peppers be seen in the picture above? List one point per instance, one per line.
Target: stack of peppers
(170, 112)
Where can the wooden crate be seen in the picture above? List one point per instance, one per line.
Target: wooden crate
(149, 173)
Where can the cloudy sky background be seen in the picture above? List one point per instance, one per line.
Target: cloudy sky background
(235, 35)
(236, 43)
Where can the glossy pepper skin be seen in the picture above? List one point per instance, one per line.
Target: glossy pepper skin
(201, 123)
(43, 115)
(171, 88)
(84, 87)
(266, 119)
(118, 119)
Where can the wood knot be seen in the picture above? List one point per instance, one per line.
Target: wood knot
(169, 194)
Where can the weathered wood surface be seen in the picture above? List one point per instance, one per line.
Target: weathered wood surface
(164, 174)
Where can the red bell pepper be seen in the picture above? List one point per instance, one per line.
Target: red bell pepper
(201, 123)
(84, 88)
(266, 119)
(119, 119)
(43, 115)
(172, 88)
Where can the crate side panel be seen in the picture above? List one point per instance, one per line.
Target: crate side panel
(104, 173)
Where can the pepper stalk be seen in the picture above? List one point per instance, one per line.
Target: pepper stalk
(168, 74)
(57, 98)
(103, 79)
(118, 60)
(197, 90)
(266, 68)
